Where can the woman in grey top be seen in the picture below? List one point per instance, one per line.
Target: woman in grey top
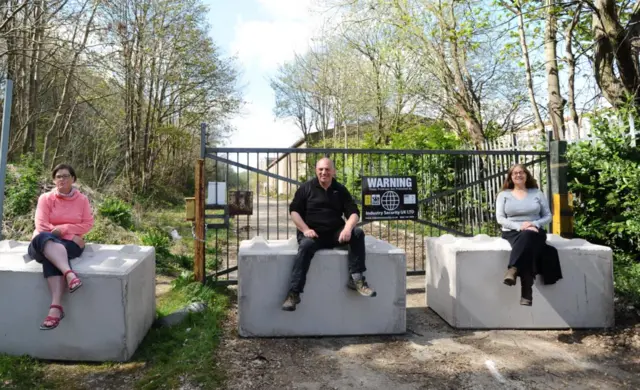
(522, 211)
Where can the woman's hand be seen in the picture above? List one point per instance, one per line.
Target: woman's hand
(533, 228)
(526, 225)
(56, 232)
(78, 240)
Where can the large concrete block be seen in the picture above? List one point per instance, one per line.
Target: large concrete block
(328, 307)
(464, 285)
(104, 320)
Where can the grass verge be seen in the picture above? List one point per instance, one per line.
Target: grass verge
(184, 353)
(168, 358)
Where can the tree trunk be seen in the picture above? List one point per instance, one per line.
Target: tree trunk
(571, 63)
(556, 102)
(616, 64)
(70, 74)
(527, 66)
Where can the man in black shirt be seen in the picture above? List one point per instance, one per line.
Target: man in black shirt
(316, 210)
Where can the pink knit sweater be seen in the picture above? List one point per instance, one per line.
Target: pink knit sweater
(71, 215)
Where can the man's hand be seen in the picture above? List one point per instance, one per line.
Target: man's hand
(310, 233)
(78, 240)
(56, 232)
(532, 228)
(525, 225)
(345, 235)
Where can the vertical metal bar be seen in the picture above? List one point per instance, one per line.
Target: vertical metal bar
(475, 210)
(226, 179)
(215, 245)
(418, 184)
(4, 146)
(249, 188)
(268, 196)
(290, 175)
(388, 172)
(277, 197)
(258, 195)
(344, 165)
(200, 232)
(549, 194)
(379, 173)
(468, 177)
(245, 199)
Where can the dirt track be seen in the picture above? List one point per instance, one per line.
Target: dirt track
(432, 355)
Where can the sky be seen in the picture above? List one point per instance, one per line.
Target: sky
(262, 34)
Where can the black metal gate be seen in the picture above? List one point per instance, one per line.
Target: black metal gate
(250, 190)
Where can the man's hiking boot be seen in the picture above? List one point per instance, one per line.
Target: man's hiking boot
(361, 287)
(526, 302)
(293, 298)
(510, 276)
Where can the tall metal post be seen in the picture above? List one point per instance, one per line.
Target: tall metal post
(200, 232)
(562, 199)
(4, 143)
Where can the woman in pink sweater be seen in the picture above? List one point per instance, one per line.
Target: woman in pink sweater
(63, 217)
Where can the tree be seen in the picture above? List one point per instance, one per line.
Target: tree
(292, 97)
(516, 7)
(556, 101)
(93, 78)
(616, 33)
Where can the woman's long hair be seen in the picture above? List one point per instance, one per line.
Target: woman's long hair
(529, 183)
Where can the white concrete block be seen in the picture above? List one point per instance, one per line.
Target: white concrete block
(106, 319)
(328, 307)
(464, 285)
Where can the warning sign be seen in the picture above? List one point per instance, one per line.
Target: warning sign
(389, 198)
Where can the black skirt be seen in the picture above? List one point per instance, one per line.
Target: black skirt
(531, 254)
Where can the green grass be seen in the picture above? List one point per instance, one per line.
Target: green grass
(166, 359)
(23, 373)
(184, 352)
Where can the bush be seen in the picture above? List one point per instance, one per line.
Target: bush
(604, 177)
(118, 211)
(23, 187)
(158, 239)
(105, 231)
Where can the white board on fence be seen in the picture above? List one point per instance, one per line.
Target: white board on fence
(218, 188)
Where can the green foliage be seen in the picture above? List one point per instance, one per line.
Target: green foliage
(184, 352)
(117, 211)
(105, 231)
(23, 187)
(603, 176)
(627, 277)
(158, 239)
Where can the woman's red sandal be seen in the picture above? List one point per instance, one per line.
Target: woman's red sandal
(75, 283)
(54, 320)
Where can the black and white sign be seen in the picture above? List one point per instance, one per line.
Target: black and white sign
(389, 198)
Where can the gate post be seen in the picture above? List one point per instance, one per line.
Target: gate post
(200, 233)
(562, 207)
(4, 142)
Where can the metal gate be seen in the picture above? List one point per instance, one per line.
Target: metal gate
(249, 190)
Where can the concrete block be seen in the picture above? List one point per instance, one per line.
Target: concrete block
(105, 320)
(464, 285)
(328, 307)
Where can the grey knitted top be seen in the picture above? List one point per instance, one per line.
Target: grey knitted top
(511, 212)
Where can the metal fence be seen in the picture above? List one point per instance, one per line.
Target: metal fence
(457, 190)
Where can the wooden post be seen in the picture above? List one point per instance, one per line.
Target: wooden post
(562, 207)
(200, 235)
